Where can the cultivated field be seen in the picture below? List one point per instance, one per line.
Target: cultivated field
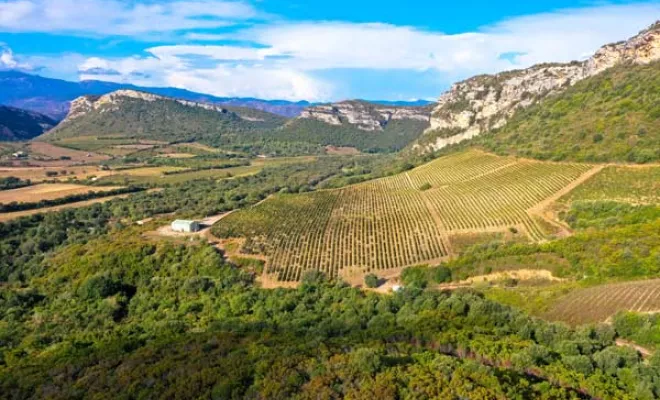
(47, 191)
(400, 220)
(38, 174)
(114, 145)
(639, 184)
(49, 150)
(597, 304)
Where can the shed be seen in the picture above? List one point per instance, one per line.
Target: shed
(181, 225)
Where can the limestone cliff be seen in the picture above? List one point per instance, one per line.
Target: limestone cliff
(363, 115)
(486, 102)
(112, 101)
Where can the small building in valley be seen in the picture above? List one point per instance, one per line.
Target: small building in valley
(186, 226)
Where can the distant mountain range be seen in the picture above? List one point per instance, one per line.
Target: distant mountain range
(52, 96)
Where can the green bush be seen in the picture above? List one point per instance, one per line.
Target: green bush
(371, 281)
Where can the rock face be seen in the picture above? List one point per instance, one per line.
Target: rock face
(486, 102)
(363, 115)
(112, 101)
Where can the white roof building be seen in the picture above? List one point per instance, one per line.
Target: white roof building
(187, 226)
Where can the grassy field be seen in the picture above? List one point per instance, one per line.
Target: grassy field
(154, 177)
(109, 144)
(46, 191)
(149, 171)
(400, 220)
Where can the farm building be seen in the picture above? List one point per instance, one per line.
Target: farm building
(181, 225)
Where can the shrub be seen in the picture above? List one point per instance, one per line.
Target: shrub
(371, 281)
(442, 274)
(415, 276)
(99, 287)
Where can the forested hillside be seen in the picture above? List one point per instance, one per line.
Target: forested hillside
(394, 136)
(145, 116)
(613, 116)
(17, 124)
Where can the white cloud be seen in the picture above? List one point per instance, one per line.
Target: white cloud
(561, 36)
(116, 17)
(286, 59)
(8, 61)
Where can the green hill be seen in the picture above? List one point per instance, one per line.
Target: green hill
(18, 124)
(613, 116)
(158, 118)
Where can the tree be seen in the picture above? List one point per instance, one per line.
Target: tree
(371, 281)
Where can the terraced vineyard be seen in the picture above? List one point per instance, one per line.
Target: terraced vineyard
(599, 303)
(401, 220)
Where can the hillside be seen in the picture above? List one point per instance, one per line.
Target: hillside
(366, 126)
(17, 124)
(486, 102)
(407, 219)
(52, 96)
(146, 116)
(613, 116)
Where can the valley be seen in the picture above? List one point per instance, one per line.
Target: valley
(500, 243)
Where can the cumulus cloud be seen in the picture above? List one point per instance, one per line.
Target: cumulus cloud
(286, 60)
(116, 17)
(8, 61)
(310, 60)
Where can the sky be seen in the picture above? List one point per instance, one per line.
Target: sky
(306, 49)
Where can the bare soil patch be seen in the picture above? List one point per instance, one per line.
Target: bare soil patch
(341, 151)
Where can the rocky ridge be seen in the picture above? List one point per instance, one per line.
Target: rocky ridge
(486, 102)
(363, 115)
(111, 102)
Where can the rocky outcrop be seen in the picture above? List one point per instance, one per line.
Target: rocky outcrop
(486, 102)
(363, 115)
(111, 101)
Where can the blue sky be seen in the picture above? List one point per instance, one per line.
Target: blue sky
(311, 50)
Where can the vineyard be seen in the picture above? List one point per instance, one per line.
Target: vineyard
(636, 185)
(401, 220)
(599, 303)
